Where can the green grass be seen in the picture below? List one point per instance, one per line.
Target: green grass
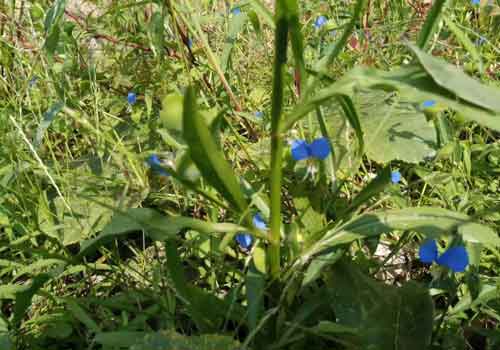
(99, 251)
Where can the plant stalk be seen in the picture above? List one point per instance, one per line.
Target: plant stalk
(281, 43)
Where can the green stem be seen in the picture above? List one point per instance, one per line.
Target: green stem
(281, 43)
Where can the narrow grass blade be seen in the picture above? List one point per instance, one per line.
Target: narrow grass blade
(430, 23)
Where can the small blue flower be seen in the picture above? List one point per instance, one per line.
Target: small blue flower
(258, 222)
(395, 177)
(155, 164)
(480, 41)
(259, 114)
(429, 104)
(190, 43)
(320, 22)
(33, 81)
(454, 258)
(131, 98)
(236, 11)
(245, 239)
(475, 2)
(319, 148)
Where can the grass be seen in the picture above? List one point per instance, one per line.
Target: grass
(343, 240)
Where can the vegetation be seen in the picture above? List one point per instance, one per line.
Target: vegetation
(222, 175)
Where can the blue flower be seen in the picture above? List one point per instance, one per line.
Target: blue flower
(131, 98)
(480, 41)
(190, 43)
(258, 222)
(33, 81)
(395, 177)
(320, 22)
(245, 239)
(475, 2)
(155, 164)
(259, 114)
(429, 104)
(454, 258)
(236, 11)
(319, 148)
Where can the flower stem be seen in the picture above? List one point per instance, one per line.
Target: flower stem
(281, 43)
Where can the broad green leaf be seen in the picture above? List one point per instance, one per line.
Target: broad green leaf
(487, 293)
(171, 112)
(119, 339)
(156, 225)
(429, 221)
(23, 298)
(384, 316)
(85, 218)
(477, 233)
(207, 156)
(395, 129)
(170, 340)
(413, 84)
(457, 82)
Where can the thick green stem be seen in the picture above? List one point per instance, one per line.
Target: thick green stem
(281, 39)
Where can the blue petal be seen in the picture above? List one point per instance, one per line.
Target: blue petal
(131, 98)
(300, 150)
(244, 240)
(155, 164)
(395, 177)
(259, 114)
(320, 148)
(476, 2)
(429, 104)
(320, 21)
(236, 11)
(258, 222)
(455, 258)
(190, 43)
(428, 252)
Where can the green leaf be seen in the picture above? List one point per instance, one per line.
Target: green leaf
(255, 282)
(263, 11)
(395, 129)
(170, 340)
(23, 298)
(317, 265)
(413, 84)
(465, 41)
(429, 221)
(156, 225)
(48, 117)
(52, 30)
(207, 156)
(353, 118)
(120, 339)
(477, 233)
(450, 78)
(236, 25)
(430, 23)
(375, 186)
(384, 316)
